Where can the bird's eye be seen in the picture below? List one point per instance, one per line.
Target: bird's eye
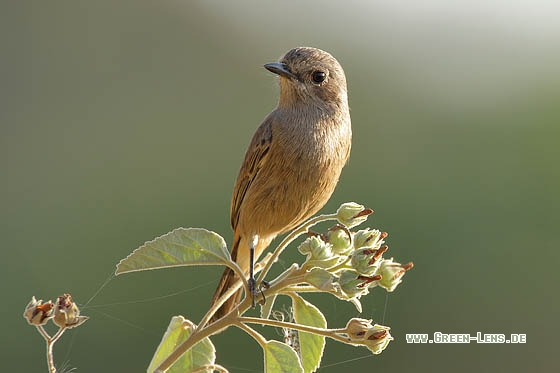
(318, 77)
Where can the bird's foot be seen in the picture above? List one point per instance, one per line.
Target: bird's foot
(255, 290)
(252, 290)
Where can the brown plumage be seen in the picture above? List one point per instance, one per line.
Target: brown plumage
(294, 160)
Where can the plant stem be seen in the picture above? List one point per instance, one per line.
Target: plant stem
(200, 333)
(330, 333)
(253, 333)
(291, 271)
(301, 289)
(50, 344)
(292, 236)
(196, 336)
(235, 267)
(219, 303)
(43, 332)
(203, 330)
(50, 357)
(58, 334)
(339, 266)
(230, 292)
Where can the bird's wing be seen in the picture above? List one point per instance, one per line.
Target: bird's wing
(255, 158)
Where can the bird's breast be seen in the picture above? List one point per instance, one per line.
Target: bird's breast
(301, 171)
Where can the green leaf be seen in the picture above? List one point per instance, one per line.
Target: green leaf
(311, 345)
(180, 247)
(201, 354)
(279, 358)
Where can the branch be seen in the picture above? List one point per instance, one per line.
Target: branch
(330, 333)
(292, 236)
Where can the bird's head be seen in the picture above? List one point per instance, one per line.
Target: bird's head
(310, 76)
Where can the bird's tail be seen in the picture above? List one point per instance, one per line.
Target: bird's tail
(239, 254)
(228, 279)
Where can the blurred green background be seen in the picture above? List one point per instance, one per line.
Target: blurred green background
(123, 120)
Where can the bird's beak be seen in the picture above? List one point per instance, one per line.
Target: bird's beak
(280, 69)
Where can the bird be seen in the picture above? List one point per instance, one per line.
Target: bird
(293, 162)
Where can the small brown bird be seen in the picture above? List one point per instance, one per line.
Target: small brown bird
(293, 162)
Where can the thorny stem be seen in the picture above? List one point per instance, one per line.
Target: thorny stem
(292, 236)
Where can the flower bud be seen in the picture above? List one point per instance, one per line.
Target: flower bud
(66, 313)
(340, 239)
(374, 337)
(316, 248)
(392, 273)
(351, 284)
(367, 238)
(377, 338)
(356, 328)
(351, 214)
(363, 262)
(37, 313)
